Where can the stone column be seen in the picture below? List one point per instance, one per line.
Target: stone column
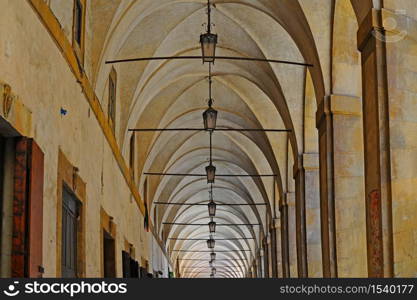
(285, 240)
(312, 201)
(371, 43)
(327, 206)
(261, 263)
(254, 269)
(346, 116)
(273, 250)
(278, 247)
(266, 257)
(292, 234)
(300, 217)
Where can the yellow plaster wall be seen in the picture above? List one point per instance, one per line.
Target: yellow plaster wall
(402, 92)
(37, 71)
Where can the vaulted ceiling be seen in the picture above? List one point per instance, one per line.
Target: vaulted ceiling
(163, 94)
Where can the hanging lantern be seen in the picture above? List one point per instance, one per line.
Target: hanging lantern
(211, 173)
(212, 227)
(211, 263)
(213, 256)
(212, 208)
(211, 243)
(208, 43)
(210, 118)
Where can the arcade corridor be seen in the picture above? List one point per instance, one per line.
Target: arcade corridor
(208, 139)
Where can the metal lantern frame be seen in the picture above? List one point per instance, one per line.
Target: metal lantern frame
(211, 243)
(212, 207)
(212, 227)
(210, 118)
(208, 40)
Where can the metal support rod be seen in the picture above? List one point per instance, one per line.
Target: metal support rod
(115, 61)
(217, 239)
(202, 129)
(208, 16)
(211, 148)
(210, 85)
(209, 251)
(196, 224)
(208, 267)
(205, 204)
(204, 175)
(220, 259)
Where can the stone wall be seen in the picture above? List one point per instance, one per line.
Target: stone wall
(34, 67)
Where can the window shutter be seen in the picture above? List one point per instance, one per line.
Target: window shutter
(27, 210)
(36, 210)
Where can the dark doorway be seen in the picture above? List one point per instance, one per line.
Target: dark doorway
(109, 256)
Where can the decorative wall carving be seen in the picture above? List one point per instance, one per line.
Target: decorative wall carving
(7, 99)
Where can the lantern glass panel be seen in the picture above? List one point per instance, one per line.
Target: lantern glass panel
(210, 119)
(212, 227)
(211, 173)
(208, 47)
(212, 208)
(211, 243)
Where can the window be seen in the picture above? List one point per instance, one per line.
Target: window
(112, 98)
(78, 22)
(132, 154)
(79, 28)
(70, 214)
(145, 192)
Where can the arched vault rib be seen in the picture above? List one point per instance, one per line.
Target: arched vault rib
(195, 189)
(225, 191)
(273, 10)
(187, 161)
(198, 124)
(284, 12)
(253, 155)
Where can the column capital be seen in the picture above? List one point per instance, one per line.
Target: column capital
(371, 23)
(298, 166)
(311, 161)
(276, 223)
(323, 111)
(290, 198)
(345, 105)
(268, 239)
